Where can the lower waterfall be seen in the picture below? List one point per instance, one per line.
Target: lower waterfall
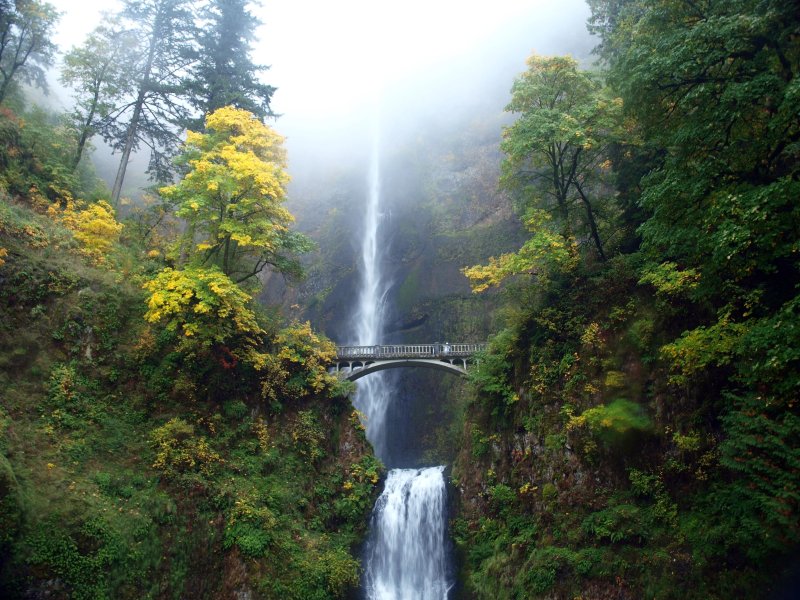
(406, 556)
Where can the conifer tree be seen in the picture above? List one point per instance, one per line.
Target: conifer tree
(223, 74)
(166, 29)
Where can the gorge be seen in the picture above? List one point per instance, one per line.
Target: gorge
(594, 250)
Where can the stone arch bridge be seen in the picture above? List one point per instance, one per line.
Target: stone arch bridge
(354, 362)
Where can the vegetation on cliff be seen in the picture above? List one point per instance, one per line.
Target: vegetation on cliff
(636, 429)
(160, 434)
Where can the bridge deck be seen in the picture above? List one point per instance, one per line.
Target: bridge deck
(397, 351)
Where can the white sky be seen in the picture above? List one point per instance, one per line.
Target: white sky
(327, 56)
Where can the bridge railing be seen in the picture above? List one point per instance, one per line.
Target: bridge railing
(390, 351)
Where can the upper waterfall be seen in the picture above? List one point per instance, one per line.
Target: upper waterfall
(372, 396)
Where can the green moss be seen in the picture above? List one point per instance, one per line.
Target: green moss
(408, 292)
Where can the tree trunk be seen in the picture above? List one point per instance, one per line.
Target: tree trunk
(592, 222)
(133, 126)
(85, 133)
(130, 138)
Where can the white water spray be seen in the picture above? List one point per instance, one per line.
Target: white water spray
(405, 558)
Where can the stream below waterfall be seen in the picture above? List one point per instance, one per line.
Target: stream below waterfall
(406, 554)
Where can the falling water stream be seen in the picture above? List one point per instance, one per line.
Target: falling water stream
(405, 557)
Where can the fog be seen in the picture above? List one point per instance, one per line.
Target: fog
(428, 64)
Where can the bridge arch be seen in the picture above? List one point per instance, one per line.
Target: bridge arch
(354, 362)
(357, 372)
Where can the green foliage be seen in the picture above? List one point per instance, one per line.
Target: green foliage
(71, 403)
(549, 492)
(119, 477)
(557, 157)
(544, 253)
(232, 197)
(668, 280)
(26, 50)
(501, 497)
(10, 505)
(307, 435)
(762, 446)
(250, 527)
(493, 370)
(99, 71)
(84, 570)
(614, 422)
(178, 450)
(224, 74)
(298, 366)
(359, 488)
(34, 162)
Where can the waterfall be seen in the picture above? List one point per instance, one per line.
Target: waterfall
(373, 392)
(405, 557)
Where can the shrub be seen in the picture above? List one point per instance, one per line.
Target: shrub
(308, 436)
(612, 423)
(179, 451)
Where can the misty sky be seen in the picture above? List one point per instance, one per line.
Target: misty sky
(328, 57)
(427, 59)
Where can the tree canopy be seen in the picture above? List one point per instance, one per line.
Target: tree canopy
(99, 70)
(556, 166)
(222, 72)
(25, 46)
(154, 109)
(232, 197)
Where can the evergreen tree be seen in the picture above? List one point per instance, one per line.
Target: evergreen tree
(223, 73)
(154, 112)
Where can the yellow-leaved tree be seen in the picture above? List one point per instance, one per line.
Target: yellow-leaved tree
(204, 306)
(232, 198)
(298, 365)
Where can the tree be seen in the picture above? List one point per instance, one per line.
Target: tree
(714, 86)
(232, 198)
(25, 46)
(557, 158)
(100, 71)
(556, 149)
(544, 253)
(151, 117)
(204, 307)
(223, 73)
